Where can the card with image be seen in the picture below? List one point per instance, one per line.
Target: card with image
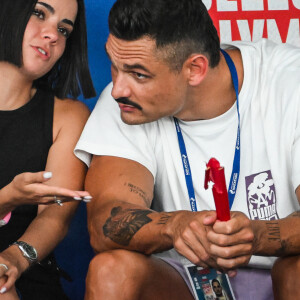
(208, 284)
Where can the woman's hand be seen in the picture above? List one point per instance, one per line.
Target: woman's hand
(31, 188)
(12, 265)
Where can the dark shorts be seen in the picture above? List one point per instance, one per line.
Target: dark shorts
(248, 284)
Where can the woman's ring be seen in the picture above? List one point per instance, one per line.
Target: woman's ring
(57, 201)
(4, 266)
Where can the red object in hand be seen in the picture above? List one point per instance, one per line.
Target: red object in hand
(215, 173)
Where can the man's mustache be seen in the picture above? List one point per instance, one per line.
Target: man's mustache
(126, 101)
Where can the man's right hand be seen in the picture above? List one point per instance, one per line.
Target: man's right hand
(206, 242)
(189, 236)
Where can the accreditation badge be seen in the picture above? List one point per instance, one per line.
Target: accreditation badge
(208, 284)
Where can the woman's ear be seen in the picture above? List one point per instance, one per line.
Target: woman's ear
(197, 66)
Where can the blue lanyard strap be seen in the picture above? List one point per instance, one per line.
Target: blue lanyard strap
(236, 161)
(186, 167)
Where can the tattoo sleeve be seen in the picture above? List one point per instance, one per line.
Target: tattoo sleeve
(123, 224)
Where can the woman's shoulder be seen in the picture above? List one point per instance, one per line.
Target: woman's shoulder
(71, 107)
(69, 115)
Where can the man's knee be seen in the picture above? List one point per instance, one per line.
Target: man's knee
(117, 274)
(285, 267)
(111, 266)
(285, 277)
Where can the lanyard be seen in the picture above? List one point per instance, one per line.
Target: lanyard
(236, 161)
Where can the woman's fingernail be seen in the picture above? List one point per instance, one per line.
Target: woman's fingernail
(87, 200)
(88, 197)
(47, 175)
(3, 290)
(77, 198)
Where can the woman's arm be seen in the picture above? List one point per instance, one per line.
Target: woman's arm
(51, 224)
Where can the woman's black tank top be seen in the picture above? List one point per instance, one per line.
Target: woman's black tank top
(26, 135)
(25, 139)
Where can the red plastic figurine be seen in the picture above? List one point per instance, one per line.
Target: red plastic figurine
(215, 173)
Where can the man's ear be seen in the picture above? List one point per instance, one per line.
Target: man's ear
(197, 66)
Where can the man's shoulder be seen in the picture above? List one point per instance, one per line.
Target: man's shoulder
(267, 51)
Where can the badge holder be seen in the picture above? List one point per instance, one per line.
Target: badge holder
(208, 284)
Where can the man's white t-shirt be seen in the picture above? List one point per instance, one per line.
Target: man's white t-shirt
(270, 142)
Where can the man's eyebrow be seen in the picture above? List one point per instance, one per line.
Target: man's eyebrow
(129, 67)
(52, 11)
(136, 66)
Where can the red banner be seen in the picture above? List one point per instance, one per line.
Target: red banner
(251, 20)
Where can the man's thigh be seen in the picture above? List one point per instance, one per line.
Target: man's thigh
(171, 281)
(121, 274)
(286, 279)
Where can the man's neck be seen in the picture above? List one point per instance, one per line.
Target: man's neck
(215, 95)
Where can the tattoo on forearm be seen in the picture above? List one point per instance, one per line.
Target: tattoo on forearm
(164, 219)
(273, 231)
(274, 236)
(136, 190)
(123, 224)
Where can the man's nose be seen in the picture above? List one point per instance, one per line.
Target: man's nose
(120, 88)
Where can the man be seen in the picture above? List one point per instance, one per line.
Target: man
(149, 216)
(217, 288)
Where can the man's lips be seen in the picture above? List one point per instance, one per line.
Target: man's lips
(127, 108)
(128, 105)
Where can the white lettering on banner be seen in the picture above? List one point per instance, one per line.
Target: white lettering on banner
(226, 5)
(296, 3)
(225, 31)
(278, 5)
(253, 5)
(273, 32)
(252, 20)
(207, 3)
(258, 28)
(293, 35)
(244, 30)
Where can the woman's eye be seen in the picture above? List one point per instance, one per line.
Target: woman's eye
(38, 13)
(65, 32)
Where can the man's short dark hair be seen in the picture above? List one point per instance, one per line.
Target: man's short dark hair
(70, 76)
(181, 27)
(215, 280)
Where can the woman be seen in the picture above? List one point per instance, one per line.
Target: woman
(43, 59)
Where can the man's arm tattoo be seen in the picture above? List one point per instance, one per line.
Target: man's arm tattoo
(273, 232)
(164, 219)
(136, 190)
(123, 224)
